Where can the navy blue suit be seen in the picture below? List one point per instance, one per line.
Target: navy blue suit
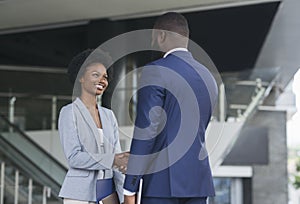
(170, 126)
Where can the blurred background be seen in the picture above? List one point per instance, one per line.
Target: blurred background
(254, 44)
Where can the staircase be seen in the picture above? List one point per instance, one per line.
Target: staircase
(28, 173)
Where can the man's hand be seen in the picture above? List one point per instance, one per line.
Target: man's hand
(129, 199)
(121, 160)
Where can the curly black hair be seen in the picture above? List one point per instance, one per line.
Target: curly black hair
(81, 61)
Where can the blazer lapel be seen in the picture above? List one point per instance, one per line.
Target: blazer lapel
(89, 120)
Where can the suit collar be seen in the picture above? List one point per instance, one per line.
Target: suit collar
(183, 55)
(89, 120)
(175, 50)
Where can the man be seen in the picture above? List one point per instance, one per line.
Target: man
(175, 101)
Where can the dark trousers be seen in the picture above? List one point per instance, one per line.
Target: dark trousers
(152, 200)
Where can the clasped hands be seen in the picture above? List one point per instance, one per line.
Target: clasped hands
(120, 161)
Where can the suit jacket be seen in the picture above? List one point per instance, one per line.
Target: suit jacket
(81, 144)
(174, 134)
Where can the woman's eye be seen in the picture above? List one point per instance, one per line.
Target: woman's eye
(96, 75)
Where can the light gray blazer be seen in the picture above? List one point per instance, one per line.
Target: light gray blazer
(81, 144)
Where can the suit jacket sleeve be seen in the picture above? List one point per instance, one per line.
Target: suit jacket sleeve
(149, 98)
(76, 157)
(118, 176)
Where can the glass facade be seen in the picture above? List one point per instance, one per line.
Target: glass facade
(223, 192)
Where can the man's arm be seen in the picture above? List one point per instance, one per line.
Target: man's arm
(149, 109)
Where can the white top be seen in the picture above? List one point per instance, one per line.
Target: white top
(100, 130)
(101, 172)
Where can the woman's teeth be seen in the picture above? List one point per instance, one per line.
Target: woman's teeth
(99, 86)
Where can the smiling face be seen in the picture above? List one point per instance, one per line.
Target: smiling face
(95, 79)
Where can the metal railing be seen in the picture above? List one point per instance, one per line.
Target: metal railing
(30, 159)
(18, 188)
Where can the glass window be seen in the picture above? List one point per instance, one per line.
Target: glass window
(222, 188)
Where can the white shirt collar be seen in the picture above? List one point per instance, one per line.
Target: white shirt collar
(175, 49)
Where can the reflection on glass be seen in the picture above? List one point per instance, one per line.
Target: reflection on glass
(222, 188)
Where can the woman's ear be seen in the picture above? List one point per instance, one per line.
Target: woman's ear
(81, 79)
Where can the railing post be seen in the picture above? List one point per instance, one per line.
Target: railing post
(30, 191)
(53, 118)
(222, 103)
(46, 194)
(16, 187)
(2, 183)
(236, 190)
(11, 111)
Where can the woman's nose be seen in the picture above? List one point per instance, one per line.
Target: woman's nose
(103, 79)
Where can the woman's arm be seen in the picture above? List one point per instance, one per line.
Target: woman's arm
(76, 157)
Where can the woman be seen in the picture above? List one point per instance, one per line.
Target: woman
(89, 133)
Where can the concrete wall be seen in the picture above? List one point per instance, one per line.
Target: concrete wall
(49, 141)
(270, 182)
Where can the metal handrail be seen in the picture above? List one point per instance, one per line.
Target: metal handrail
(17, 129)
(53, 171)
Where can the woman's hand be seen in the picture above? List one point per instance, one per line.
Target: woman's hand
(120, 161)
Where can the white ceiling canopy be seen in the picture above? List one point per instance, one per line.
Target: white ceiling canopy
(22, 15)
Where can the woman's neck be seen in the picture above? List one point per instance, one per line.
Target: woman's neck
(89, 100)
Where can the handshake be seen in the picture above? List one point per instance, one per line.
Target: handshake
(120, 161)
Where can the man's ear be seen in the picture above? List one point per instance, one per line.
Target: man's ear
(162, 37)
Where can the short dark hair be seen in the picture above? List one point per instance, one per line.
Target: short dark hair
(174, 22)
(84, 59)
